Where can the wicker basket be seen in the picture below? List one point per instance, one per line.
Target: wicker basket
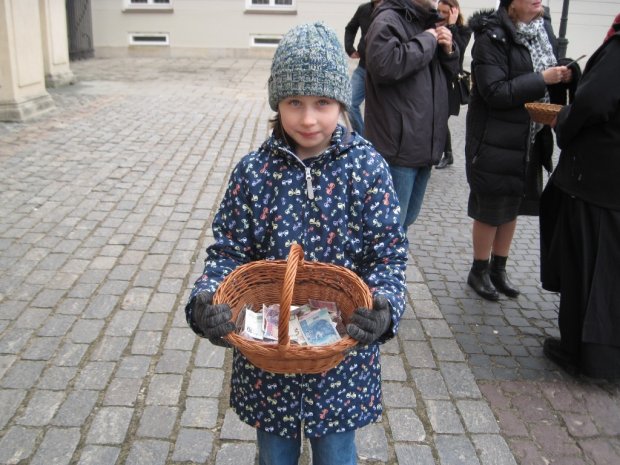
(543, 113)
(292, 282)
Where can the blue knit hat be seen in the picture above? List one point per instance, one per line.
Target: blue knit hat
(310, 61)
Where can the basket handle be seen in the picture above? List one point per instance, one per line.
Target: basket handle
(295, 259)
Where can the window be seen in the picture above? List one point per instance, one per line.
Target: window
(162, 5)
(265, 41)
(146, 38)
(271, 5)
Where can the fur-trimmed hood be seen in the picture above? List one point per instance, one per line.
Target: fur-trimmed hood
(481, 19)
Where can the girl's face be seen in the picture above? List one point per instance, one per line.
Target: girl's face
(310, 121)
(526, 10)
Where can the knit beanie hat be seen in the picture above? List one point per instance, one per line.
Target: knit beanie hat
(310, 60)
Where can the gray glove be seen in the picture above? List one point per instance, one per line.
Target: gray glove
(213, 321)
(366, 325)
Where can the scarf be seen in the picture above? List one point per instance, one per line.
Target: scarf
(534, 36)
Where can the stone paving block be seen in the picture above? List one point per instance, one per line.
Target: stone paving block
(10, 400)
(371, 443)
(99, 455)
(14, 341)
(455, 450)
(109, 349)
(95, 375)
(392, 368)
(202, 413)
(414, 454)
(41, 408)
(194, 445)
(477, 416)
(76, 408)
(109, 426)
(205, 382)
(41, 348)
(57, 447)
(122, 392)
(236, 454)
(435, 328)
(164, 389)
(123, 323)
(86, 331)
(17, 444)
(398, 395)
(235, 429)
(444, 417)
(419, 354)
(148, 452)
(146, 342)
(493, 450)
(411, 330)
(405, 425)
(134, 366)
(173, 361)
(459, 380)
(430, 383)
(180, 339)
(208, 355)
(22, 374)
(57, 378)
(56, 326)
(157, 422)
(447, 350)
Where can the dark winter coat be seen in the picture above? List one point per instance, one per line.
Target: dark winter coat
(588, 132)
(406, 111)
(360, 20)
(352, 220)
(497, 124)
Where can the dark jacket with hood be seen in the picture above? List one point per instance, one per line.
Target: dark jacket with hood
(498, 125)
(406, 114)
(588, 132)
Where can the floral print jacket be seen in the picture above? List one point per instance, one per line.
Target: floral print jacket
(341, 207)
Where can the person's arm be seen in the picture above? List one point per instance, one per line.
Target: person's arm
(350, 31)
(390, 56)
(597, 98)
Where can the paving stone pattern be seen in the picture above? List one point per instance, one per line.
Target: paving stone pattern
(105, 205)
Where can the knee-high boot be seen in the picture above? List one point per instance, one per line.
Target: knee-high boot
(499, 278)
(480, 282)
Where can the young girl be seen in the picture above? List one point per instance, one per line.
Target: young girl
(314, 183)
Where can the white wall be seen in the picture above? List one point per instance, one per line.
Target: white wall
(203, 27)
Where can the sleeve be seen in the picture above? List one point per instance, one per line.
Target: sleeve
(491, 73)
(350, 31)
(597, 98)
(461, 35)
(385, 243)
(390, 57)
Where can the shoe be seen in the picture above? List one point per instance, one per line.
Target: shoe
(499, 278)
(481, 283)
(552, 348)
(446, 159)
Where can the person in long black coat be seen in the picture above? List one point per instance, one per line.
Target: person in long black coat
(580, 221)
(461, 35)
(513, 62)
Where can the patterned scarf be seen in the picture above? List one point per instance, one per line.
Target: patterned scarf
(534, 36)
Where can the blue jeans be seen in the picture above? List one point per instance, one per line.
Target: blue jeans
(358, 94)
(333, 449)
(410, 186)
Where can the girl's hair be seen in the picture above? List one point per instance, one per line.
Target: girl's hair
(460, 21)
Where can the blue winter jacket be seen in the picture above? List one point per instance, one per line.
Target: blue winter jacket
(341, 207)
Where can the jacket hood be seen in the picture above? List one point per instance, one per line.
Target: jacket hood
(410, 10)
(481, 19)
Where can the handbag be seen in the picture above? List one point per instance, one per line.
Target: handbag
(463, 84)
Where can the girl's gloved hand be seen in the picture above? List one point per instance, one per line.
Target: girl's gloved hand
(214, 321)
(366, 325)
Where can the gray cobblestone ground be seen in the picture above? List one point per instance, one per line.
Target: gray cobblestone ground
(104, 205)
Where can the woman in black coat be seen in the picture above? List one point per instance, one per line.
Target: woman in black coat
(580, 221)
(461, 34)
(513, 62)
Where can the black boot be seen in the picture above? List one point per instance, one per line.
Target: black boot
(480, 282)
(497, 273)
(446, 159)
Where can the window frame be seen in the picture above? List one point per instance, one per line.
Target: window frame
(271, 7)
(150, 5)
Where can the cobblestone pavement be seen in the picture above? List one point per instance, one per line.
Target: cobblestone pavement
(104, 208)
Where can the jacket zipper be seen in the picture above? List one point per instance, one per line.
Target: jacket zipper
(309, 187)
